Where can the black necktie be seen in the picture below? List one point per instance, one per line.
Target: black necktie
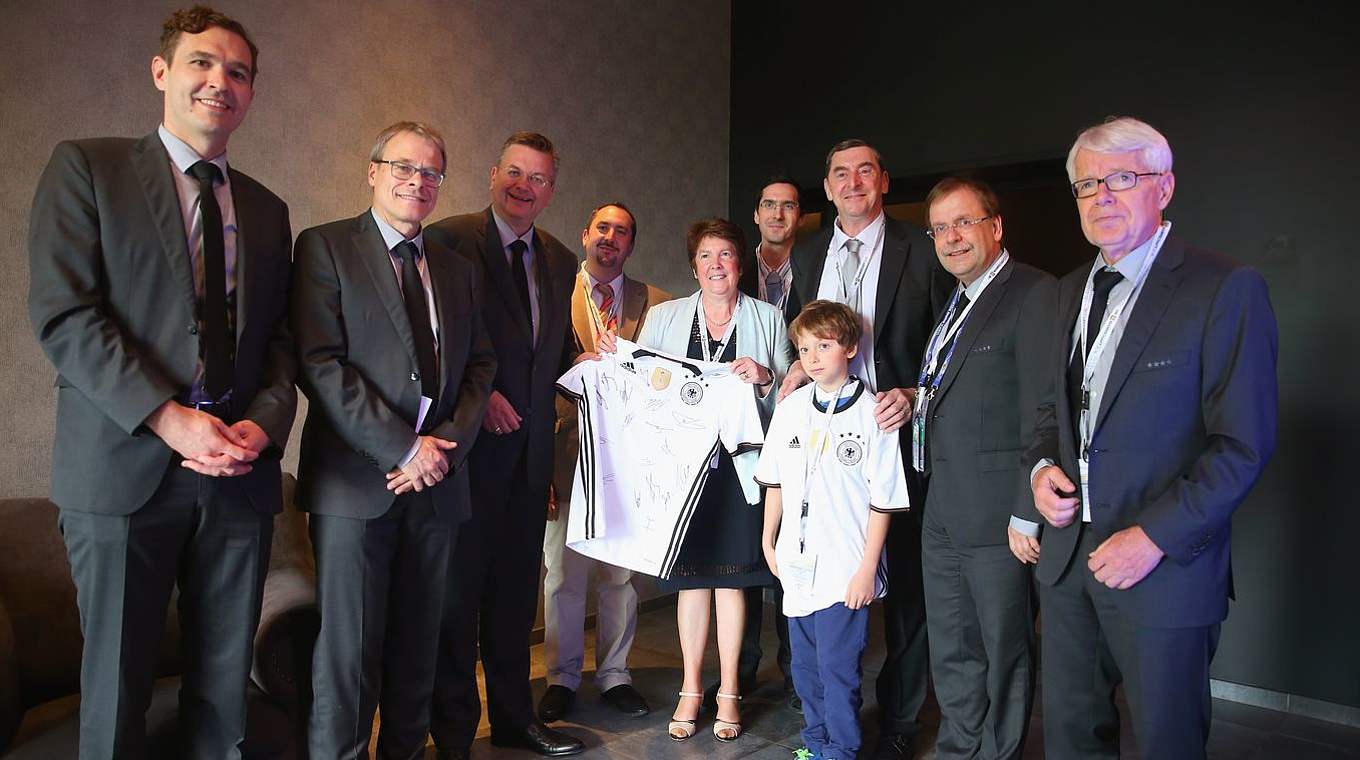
(215, 340)
(1105, 281)
(418, 313)
(520, 275)
(958, 309)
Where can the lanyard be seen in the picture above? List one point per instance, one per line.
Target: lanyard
(1106, 330)
(781, 270)
(947, 332)
(703, 327)
(816, 448)
(852, 298)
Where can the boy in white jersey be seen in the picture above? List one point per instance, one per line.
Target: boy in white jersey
(840, 476)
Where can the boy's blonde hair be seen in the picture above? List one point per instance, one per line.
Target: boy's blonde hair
(827, 319)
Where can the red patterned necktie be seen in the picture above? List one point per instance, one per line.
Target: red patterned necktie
(608, 318)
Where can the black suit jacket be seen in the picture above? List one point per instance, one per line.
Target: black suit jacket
(111, 298)
(1186, 424)
(912, 289)
(983, 413)
(360, 373)
(528, 369)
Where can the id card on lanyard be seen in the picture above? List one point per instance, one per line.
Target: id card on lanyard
(932, 371)
(1086, 418)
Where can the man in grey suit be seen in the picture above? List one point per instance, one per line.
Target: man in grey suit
(493, 577)
(158, 290)
(980, 384)
(604, 299)
(396, 366)
(1163, 418)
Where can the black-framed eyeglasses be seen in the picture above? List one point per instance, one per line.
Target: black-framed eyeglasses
(1117, 182)
(937, 230)
(403, 171)
(770, 205)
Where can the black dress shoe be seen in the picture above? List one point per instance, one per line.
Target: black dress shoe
(556, 703)
(625, 699)
(538, 738)
(895, 747)
(452, 754)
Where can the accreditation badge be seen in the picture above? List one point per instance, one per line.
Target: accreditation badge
(797, 574)
(918, 429)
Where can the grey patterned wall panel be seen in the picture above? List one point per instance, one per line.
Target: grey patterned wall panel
(636, 95)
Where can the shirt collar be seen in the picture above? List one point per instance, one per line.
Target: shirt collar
(765, 270)
(974, 288)
(848, 395)
(1132, 262)
(867, 236)
(616, 283)
(391, 237)
(508, 235)
(183, 156)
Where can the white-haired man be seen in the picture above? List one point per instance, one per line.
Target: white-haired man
(1163, 418)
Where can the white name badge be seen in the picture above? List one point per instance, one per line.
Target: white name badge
(798, 573)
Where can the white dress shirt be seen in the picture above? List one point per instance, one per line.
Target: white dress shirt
(1130, 266)
(391, 238)
(871, 238)
(508, 236)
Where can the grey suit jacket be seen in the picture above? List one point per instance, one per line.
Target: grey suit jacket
(638, 297)
(1186, 425)
(528, 368)
(983, 413)
(360, 373)
(111, 298)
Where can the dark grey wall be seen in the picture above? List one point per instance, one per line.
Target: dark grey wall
(1260, 109)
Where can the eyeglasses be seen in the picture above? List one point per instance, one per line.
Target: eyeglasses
(788, 206)
(1116, 182)
(937, 230)
(537, 180)
(403, 171)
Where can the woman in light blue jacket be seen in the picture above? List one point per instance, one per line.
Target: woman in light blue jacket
(721, 553)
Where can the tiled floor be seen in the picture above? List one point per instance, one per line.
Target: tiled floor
(1239, 732)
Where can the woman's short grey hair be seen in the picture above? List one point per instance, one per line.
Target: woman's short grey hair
(1123, 134)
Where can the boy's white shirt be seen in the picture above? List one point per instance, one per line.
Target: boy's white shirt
(861, 469)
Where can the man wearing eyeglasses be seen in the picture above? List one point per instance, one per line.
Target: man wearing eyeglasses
(493, 577)
(1163, 418)
(887, 272)
(983, 376)
(767, 274)
(397, 367)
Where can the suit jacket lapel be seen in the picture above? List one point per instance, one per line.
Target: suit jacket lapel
(581, 321)
(498, 272)
(634, 304)
(1147, 314)
(895, 252)
(543, 280)
(807, 272)
(977, 320)
(245, 271)
(435, 258)
(370, 249)
(153, 168)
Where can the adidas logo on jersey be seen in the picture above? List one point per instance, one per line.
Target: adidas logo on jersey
(794, 444)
